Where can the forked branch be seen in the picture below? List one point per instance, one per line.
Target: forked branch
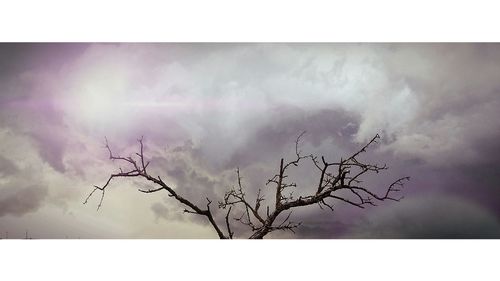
(140, 171)
(333, 178)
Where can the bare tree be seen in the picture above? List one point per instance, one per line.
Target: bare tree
(333, 178)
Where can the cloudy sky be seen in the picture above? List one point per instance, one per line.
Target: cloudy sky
(206, 109)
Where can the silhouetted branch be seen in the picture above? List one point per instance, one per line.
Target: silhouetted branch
(333, 177)
(141, 171)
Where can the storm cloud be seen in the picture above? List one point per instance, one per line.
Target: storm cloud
(20, 200)
(207, 109)
(434, 217)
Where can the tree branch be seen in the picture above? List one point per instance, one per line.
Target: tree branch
(137, 171)
(333, 177)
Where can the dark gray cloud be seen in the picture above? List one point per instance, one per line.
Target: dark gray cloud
(160, 211)
(276, 139)
(28, 107)
(433, 216)
(18, 200)
(185, 175)
(7, 167)
(51, 148)
(20, 193)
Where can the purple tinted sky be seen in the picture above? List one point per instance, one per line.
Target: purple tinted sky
(205, 109)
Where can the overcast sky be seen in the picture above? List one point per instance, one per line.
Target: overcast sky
(205, 109)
